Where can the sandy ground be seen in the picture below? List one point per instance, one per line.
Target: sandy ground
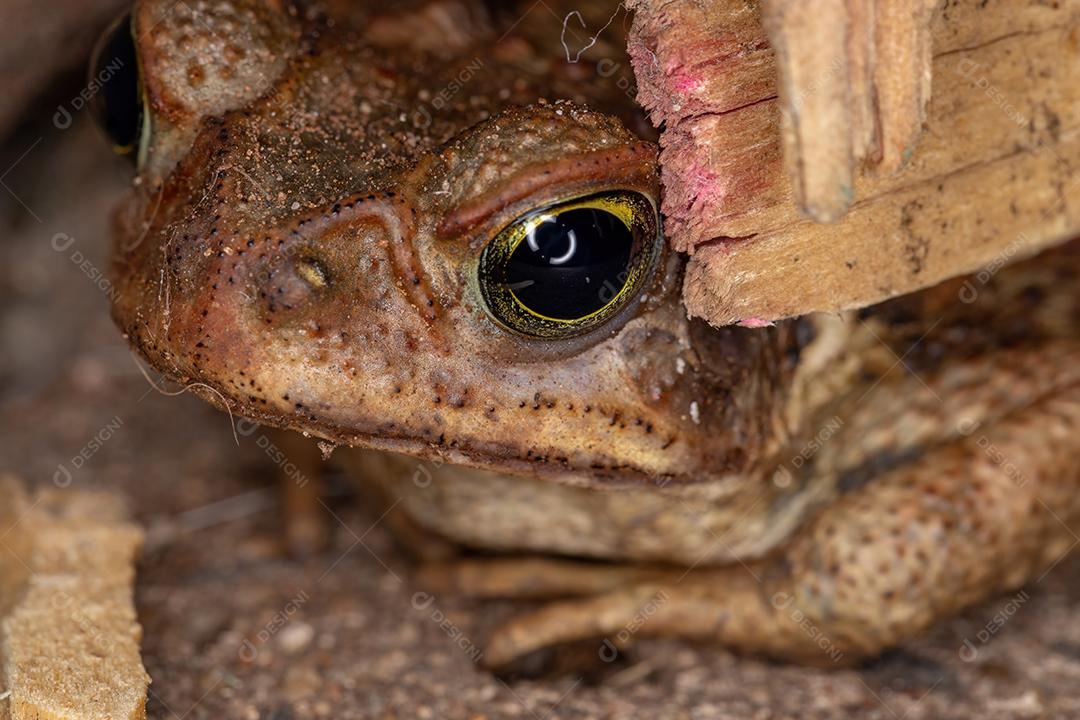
(234, 628)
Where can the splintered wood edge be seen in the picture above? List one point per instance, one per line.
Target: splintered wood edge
(819, 97)
(69, 638)
(854, 81)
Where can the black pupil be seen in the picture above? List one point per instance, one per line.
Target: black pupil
(572, 263)
(115, 69)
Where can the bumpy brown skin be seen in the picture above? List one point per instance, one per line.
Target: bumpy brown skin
(336, 167)
(302, 249)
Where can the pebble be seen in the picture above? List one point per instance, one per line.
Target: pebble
(296, 636)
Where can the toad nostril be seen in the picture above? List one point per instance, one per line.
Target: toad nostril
(312, 272)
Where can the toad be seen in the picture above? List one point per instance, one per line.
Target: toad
(432, 231)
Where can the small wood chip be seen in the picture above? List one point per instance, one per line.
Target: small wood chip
(69, 639)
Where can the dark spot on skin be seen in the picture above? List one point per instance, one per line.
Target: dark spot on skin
(874, 466)
(1033, 295)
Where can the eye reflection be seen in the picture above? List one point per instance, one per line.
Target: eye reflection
(564, 269)
(534, 245)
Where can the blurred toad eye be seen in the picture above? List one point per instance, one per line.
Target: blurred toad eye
(564, 270)
(117, 104)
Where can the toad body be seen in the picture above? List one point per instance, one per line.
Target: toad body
(432, 231)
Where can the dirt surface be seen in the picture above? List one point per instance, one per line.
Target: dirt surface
(234, 628)
(38, 41)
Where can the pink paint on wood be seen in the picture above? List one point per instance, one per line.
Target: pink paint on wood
(755, 322)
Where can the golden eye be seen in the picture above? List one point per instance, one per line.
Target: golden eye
(565, 269)
(118, 103)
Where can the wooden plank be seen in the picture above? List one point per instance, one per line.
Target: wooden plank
(975, 219)
(1005, 85)
(69, 637)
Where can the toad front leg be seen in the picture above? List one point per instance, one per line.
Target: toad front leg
(983, 514)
